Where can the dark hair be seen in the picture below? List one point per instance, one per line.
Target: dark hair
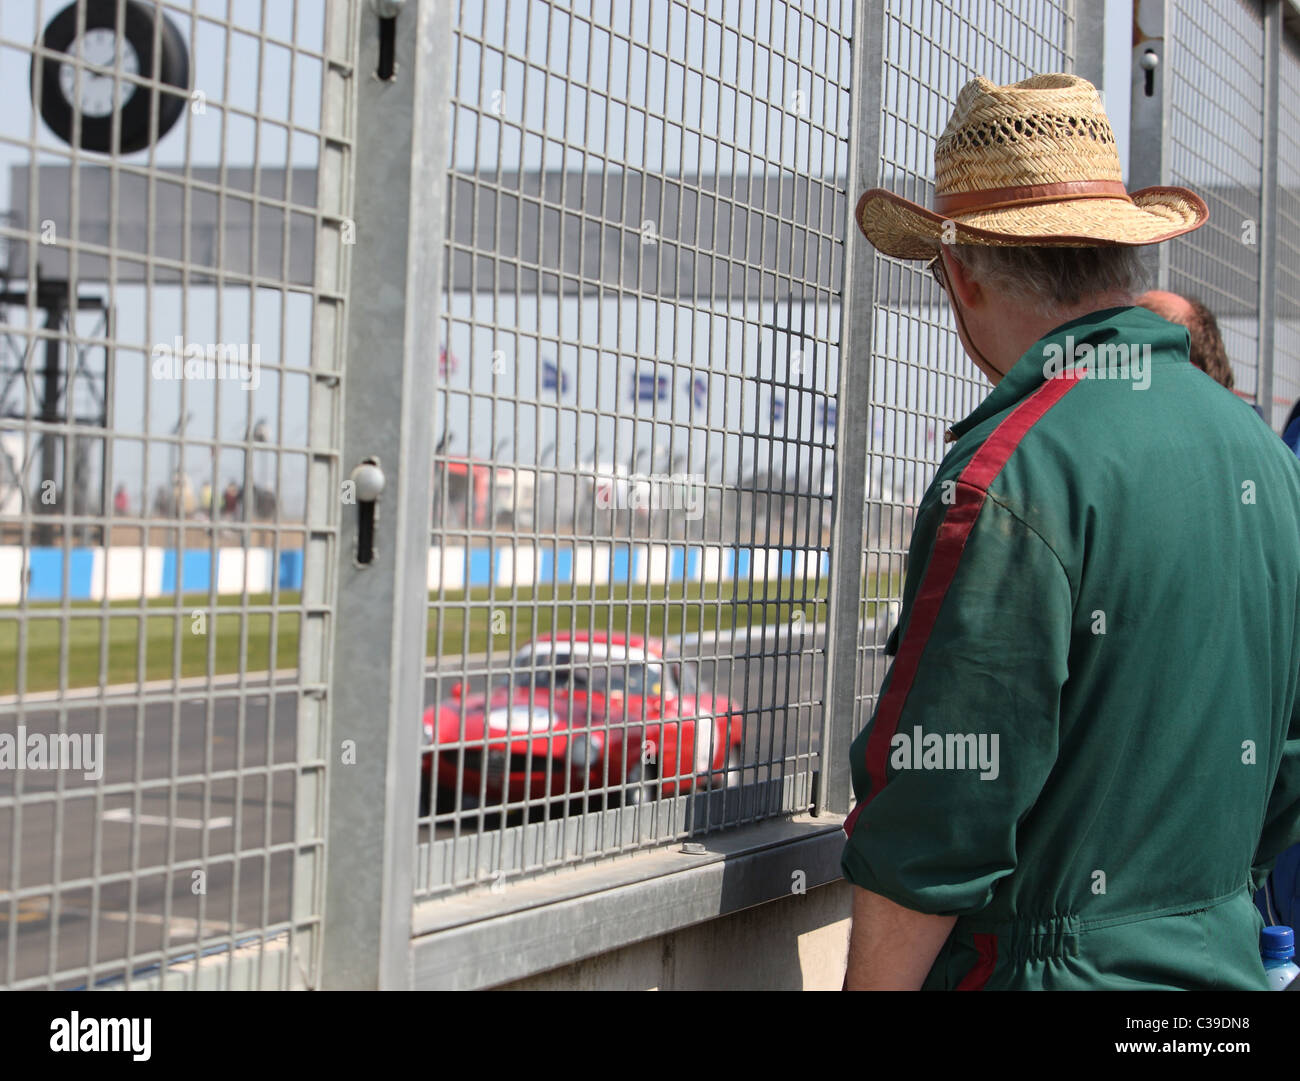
(1208, 353)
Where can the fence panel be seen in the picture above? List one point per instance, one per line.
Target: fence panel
(171, 183)
(1215, 137)
(635, 427)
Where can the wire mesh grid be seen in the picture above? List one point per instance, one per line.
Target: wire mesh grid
(169, 298)
(1286, 344)
(1215, 122)
(922, 380)
(634, 433)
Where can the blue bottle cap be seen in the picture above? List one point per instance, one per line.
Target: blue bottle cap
(1277, 942)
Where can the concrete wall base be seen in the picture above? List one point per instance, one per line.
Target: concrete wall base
(798, 943)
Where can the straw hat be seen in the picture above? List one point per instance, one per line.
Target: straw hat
(1033, 163)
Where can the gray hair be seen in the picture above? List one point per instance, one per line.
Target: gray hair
(1047, 279)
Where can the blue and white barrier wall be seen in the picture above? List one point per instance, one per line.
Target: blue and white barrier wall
(602, 564)
(125, 573)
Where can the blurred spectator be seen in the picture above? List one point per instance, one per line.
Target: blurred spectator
(182, 494)
(230, 500)
(1291, 429)
(121, 504)
(1208, 353)
(1278, 899)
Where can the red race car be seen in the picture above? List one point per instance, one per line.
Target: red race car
(577, 714)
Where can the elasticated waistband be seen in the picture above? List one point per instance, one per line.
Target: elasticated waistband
(1059, 936)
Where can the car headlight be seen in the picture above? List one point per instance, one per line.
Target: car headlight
(585, 750)
(520, 717)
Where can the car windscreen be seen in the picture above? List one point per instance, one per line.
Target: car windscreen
(587, 675)
(539, 672)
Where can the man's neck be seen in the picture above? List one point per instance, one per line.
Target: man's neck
(1013, 331)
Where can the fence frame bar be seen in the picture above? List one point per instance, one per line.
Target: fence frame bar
(1268, 213)
(379, 646)
(853, 416)
(1148, 153)
(1087, 41)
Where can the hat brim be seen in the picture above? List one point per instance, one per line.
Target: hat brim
(907, 230)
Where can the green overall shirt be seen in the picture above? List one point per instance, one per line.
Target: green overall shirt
(1087, 745)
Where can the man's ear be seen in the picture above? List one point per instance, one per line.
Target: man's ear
(967, 288)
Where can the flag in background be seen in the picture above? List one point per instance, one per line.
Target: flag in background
(554, 377)
(700, 391)
(650, 387)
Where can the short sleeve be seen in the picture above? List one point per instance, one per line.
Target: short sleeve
(966, 729)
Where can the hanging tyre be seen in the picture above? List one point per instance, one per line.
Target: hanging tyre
(67, 88)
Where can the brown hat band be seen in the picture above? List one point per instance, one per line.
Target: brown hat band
(962, 202)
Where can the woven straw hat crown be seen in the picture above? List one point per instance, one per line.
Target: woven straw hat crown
(1030, 163)
(1000, 137)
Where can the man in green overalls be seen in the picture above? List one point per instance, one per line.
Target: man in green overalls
(1086, 752)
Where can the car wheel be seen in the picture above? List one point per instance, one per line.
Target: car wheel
(642, 786)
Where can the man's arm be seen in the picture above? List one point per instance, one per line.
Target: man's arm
(891, 948)
(983, 655)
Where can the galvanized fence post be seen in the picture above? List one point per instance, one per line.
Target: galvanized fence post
(1087, 41)
(853, 412)
(1268, 213)
(377, 690)
(1148, 152)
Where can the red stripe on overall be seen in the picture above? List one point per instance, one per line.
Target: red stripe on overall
(972, 487)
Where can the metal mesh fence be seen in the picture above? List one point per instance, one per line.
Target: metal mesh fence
(635, 431)
(635, 426)
(1215, 94)
(169, 260)
(922, 380)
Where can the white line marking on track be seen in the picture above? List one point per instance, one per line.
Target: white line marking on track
(126, 815)
(178, 926)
